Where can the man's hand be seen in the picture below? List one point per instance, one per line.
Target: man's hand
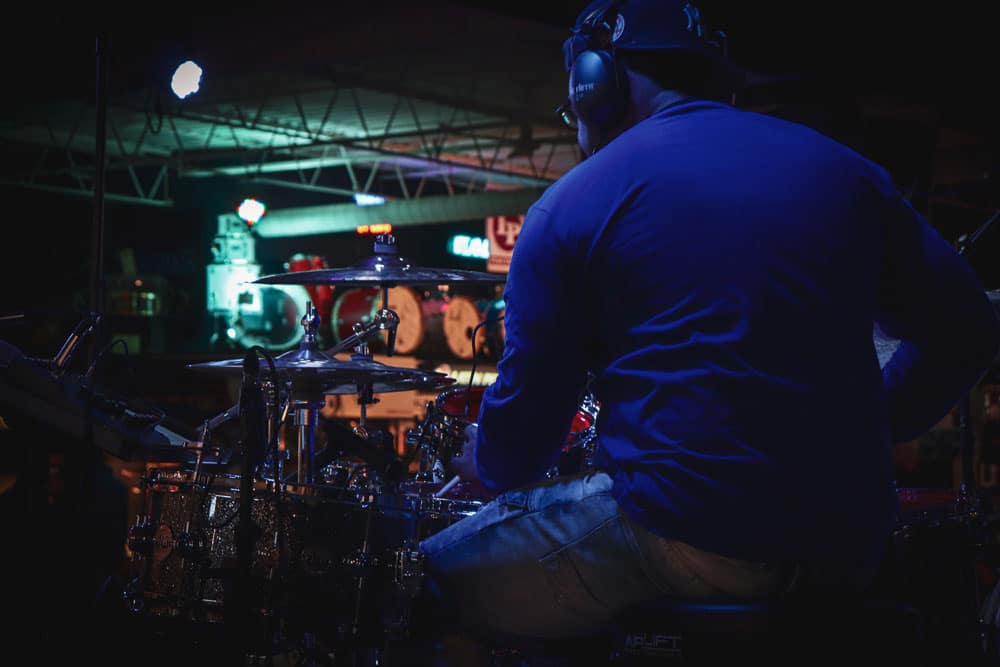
(463, 462)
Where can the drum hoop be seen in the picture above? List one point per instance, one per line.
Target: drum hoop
(450, 392)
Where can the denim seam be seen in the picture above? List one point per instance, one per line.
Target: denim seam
(639, 552)
(558, 553)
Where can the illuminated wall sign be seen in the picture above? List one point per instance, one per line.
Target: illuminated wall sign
(502, 232)
(469, 246)
(365, 199)
(380, 228)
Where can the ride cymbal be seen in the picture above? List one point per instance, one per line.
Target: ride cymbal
(385, 268)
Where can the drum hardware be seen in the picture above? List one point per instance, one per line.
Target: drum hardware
(435, 429)
(408, 570)
(321, 295)
(383, 319)
(308, 373)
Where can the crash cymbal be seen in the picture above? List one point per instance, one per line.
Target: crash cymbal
(385, 268)
(332, 375)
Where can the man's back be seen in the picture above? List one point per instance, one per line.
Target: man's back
(730, 267)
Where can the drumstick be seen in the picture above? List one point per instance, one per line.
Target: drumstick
(448, 487)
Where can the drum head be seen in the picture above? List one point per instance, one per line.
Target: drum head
(271, 316)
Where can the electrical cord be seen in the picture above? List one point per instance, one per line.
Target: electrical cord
(472, 371)
(92, 368)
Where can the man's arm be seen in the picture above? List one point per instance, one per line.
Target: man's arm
(526, 414)
(933, 302)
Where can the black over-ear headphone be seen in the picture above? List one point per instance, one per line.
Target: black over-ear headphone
(598, 86)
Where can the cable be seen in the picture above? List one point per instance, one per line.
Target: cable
(100, 355)
(275, 453)
(472, 371)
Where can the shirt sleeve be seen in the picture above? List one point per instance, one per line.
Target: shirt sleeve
(526, 414)
(932, 301)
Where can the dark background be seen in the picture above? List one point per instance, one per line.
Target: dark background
(818, 60)
(814, 63)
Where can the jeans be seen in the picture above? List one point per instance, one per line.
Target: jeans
(560, 559)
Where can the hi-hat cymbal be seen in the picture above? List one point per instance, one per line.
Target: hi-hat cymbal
(331, 375)
(384, 271)
(430, 383)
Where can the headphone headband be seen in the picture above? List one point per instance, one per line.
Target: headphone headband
(589, 28)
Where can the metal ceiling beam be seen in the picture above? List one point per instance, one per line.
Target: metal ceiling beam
(84, 192)
(516, 114)
(337, 218)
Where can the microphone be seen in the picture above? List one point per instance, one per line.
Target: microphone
(72, 342)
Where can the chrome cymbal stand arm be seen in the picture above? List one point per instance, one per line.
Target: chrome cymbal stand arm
(274, 458)
(383, 320)
(306, 418)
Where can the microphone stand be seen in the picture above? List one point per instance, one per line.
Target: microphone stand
(251, 411)
(83, 464)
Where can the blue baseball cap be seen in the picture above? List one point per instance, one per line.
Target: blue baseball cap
(643, 24)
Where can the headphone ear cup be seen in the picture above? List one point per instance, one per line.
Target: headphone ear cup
(598, 89)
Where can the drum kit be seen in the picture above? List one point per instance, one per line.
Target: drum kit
(315, 550)
(322, 559)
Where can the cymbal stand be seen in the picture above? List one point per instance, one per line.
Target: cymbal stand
(383, 320)
(305, 416)
(274, 459)
(304, 405)
(207, 428)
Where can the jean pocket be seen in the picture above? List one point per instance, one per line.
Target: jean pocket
(573, 571)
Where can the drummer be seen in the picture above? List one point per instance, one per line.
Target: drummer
(724, 271)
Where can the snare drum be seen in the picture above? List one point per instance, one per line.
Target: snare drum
(458, 406)
(464, 403)
(431, 513)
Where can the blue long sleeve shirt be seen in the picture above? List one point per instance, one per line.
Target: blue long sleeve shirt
(720, 272)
